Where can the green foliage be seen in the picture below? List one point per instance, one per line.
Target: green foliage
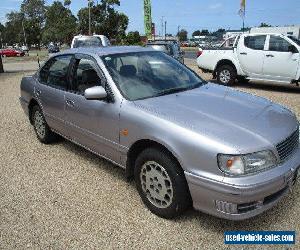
(60, 29)
(57, 23)
(265, 25)
(196, 33)
(182, 35)
(133, 38)
(104, 20)
(204, 33)
(34, 16)
(67, 3)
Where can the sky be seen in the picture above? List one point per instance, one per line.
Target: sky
(194, 14)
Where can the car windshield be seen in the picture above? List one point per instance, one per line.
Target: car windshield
(142, 75)
(87, 42)
(295, 40)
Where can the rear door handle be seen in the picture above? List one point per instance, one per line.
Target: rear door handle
(37, 92)
(243, 53)
(269, 55)
(70, 103)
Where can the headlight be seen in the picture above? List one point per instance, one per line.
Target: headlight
(246, 164)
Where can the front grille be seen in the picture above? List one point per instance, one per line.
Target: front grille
(288, 146)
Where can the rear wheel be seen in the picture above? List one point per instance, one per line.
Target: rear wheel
(41, 128)
(226, 75)
(161, 183)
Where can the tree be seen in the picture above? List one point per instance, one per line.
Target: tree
(104, 19)
(2, 31)
(196, 33)
(133, 38)
(204, 33)
(34, 17)
(1, 65)
(13, 28)
(182, 35)
(265, 25)
(67, 3)
(60, 29)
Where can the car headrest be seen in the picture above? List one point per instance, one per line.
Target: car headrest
(127, 70)
(90, 76)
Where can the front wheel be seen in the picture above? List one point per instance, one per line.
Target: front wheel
(226, 75)
(161, 183)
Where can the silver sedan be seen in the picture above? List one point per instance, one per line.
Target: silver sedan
(184, 141)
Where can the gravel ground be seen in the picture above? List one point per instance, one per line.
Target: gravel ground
(60, 196)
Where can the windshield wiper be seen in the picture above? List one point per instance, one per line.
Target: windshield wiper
(176, 90)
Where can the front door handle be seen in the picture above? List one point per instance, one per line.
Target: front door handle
(70, 103)
(269, 55)
(243, 53)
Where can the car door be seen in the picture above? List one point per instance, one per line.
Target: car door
(92, 123)
(50, 91)
(250, 54)
(280, 63)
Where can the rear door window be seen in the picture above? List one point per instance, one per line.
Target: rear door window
(55, 72)
(255, 42)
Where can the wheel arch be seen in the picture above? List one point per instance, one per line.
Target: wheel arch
(140, 145)
(224, 62)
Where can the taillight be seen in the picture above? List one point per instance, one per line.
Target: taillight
(199, 53)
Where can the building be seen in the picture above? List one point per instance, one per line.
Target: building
(286, 30)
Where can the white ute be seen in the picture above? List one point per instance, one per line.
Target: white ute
(267, 57)
(90, 41)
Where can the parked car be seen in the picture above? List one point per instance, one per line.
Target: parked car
(185, 141)
(53, 48)
(11, 52)
(90, 41)
(25, 49)
(169, 48)
(268, 57)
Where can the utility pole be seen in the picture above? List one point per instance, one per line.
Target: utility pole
(24, 33)
(89, 3)
(165, 30)
(162, 26)
(178, 30)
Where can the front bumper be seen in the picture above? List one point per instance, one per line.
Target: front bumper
(242, 201)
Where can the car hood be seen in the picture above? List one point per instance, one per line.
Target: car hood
(225, 114)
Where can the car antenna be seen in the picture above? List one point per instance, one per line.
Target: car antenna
(38, 59)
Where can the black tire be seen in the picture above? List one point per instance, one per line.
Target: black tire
(226, 75)
(177, 198)
(242, 79)
(41, 128)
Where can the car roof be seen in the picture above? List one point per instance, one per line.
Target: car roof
(159, 43)
(102, 51)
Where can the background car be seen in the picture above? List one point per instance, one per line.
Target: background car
(53, 48)
(168, 47)
(90, 41)
(11, 52)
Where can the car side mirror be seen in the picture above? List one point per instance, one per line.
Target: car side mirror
(95, 93)
(292, 49)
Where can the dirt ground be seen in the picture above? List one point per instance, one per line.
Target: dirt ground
(61, 196)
